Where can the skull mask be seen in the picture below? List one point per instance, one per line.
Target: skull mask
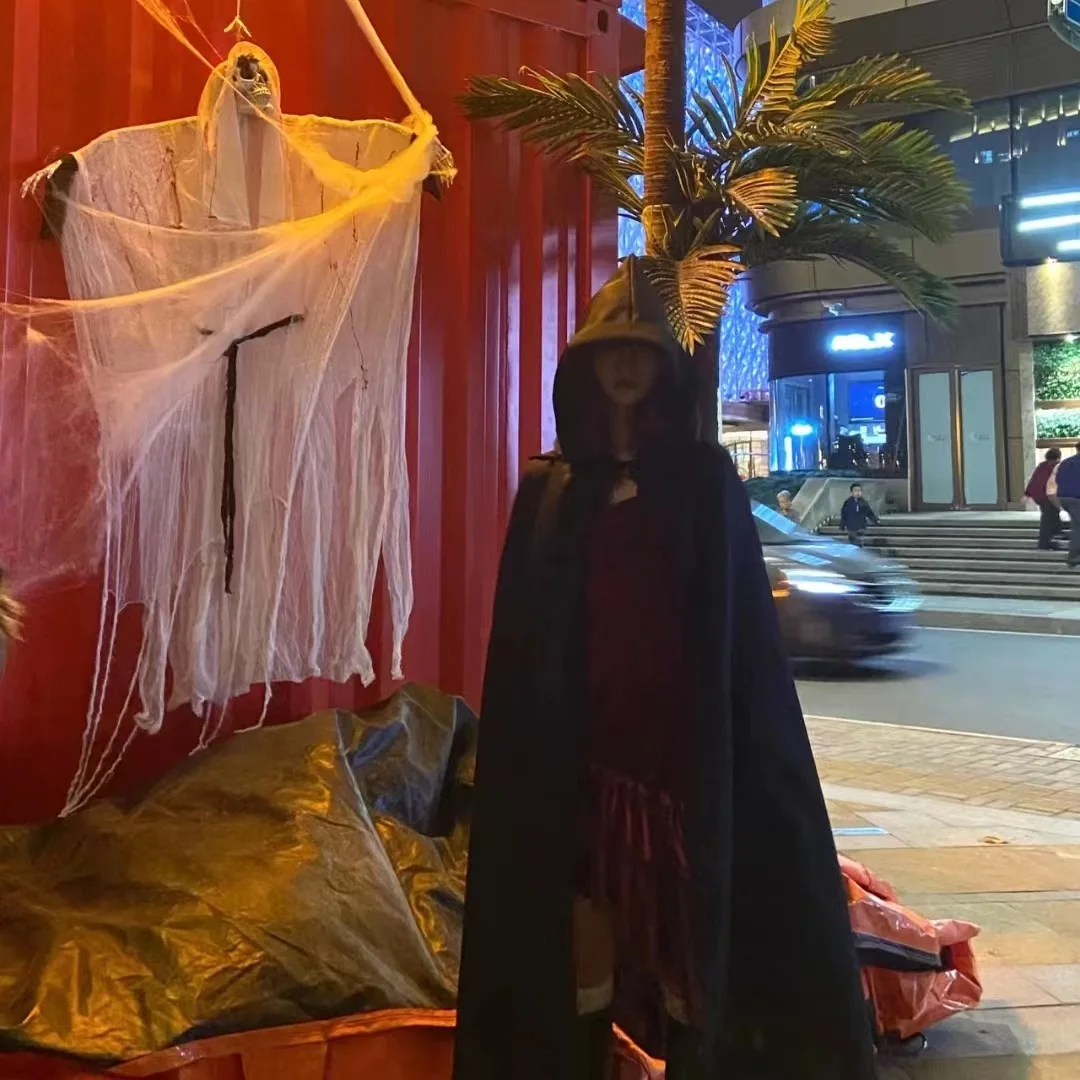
(252, 84)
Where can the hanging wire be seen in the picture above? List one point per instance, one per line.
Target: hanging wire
(237, 26)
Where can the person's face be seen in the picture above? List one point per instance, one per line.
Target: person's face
(857, 491)
(784, 501)
(627, 373)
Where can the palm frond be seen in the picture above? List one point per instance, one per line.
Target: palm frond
(773, 84)
(892, 175)
(597, 128)
(769, 196)
(791, 170)
(712, 121)
(694, 289)
(556, 110)
(824, 236)
(884, 80)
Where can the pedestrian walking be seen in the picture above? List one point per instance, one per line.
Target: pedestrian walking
(646, 804)
(1067, 477)
(1049, 510)
(856, 515)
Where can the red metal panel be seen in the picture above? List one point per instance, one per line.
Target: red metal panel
(506, 262)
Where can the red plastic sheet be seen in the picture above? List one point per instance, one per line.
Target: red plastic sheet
(398, 1045)
(907, 1002)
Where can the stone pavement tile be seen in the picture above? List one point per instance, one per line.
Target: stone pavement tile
(1008, 1033)
(978, 870)
(1058, 1067)
(1060, 980)
(1061, 830)
(1032, 946)
(1060, 916)
(1010, 987)
(856, 846)
(861, 844)
(1038, 776)
(918, 829)
(938, 900)
(844, 816)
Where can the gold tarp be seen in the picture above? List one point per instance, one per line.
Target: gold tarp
(290, 874)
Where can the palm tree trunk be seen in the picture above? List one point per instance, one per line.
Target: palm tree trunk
(665, 125)
(665, 117)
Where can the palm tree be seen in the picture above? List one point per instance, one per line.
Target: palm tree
(771, 165)
(663, 108)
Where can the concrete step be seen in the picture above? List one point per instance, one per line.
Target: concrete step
(1018, 545)
(963, 521)
(935, 584)
(1017, 537)
(1030, 556)
(1053, 574)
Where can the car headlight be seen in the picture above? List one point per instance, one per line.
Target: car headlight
(817, 582)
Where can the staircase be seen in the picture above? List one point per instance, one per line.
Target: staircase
(971, 554)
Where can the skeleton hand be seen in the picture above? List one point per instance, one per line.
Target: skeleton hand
(32, 183)
(10, 614)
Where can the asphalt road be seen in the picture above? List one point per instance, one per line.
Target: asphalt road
(998, 684)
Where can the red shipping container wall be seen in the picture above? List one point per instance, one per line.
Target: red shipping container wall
(507, 260)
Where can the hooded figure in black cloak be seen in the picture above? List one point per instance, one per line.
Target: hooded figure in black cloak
(646, 801)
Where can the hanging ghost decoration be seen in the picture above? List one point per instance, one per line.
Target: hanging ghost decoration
(242, 288)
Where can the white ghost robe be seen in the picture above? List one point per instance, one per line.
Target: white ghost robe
(181, 240)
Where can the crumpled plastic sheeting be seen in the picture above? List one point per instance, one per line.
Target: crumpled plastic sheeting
(917, 972)
(395, 1045)
(290, 874)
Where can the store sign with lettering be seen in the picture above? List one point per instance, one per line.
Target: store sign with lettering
(881, 341)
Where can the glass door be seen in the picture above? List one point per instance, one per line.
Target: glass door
(959, 456)
(979, 451)
(936, 440)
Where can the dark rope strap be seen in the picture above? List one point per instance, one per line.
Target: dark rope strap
(228, 479)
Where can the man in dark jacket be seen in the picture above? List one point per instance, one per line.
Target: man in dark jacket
(857, 516)
(1049, 511)
(1068, 493)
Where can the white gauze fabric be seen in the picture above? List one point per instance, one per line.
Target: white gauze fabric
(278, 252)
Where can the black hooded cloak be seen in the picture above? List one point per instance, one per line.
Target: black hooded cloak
(774, 952)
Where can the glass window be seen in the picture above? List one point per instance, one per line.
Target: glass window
(1048, 141)
(801, 423)
(852, 421)
(750, 452)
(1045, 140)
(979, 144)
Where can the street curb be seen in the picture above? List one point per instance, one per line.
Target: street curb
(999, 622)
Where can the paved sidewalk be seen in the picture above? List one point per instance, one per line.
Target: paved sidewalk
(994, 771)
(1000, 614)
(984, 829)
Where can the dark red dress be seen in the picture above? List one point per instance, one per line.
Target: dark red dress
(638, 742)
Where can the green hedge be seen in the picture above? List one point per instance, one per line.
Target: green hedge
(1058, 423)
(1057, 371)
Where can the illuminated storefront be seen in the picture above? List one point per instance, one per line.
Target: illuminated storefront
(838, 396)
(896, 396)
